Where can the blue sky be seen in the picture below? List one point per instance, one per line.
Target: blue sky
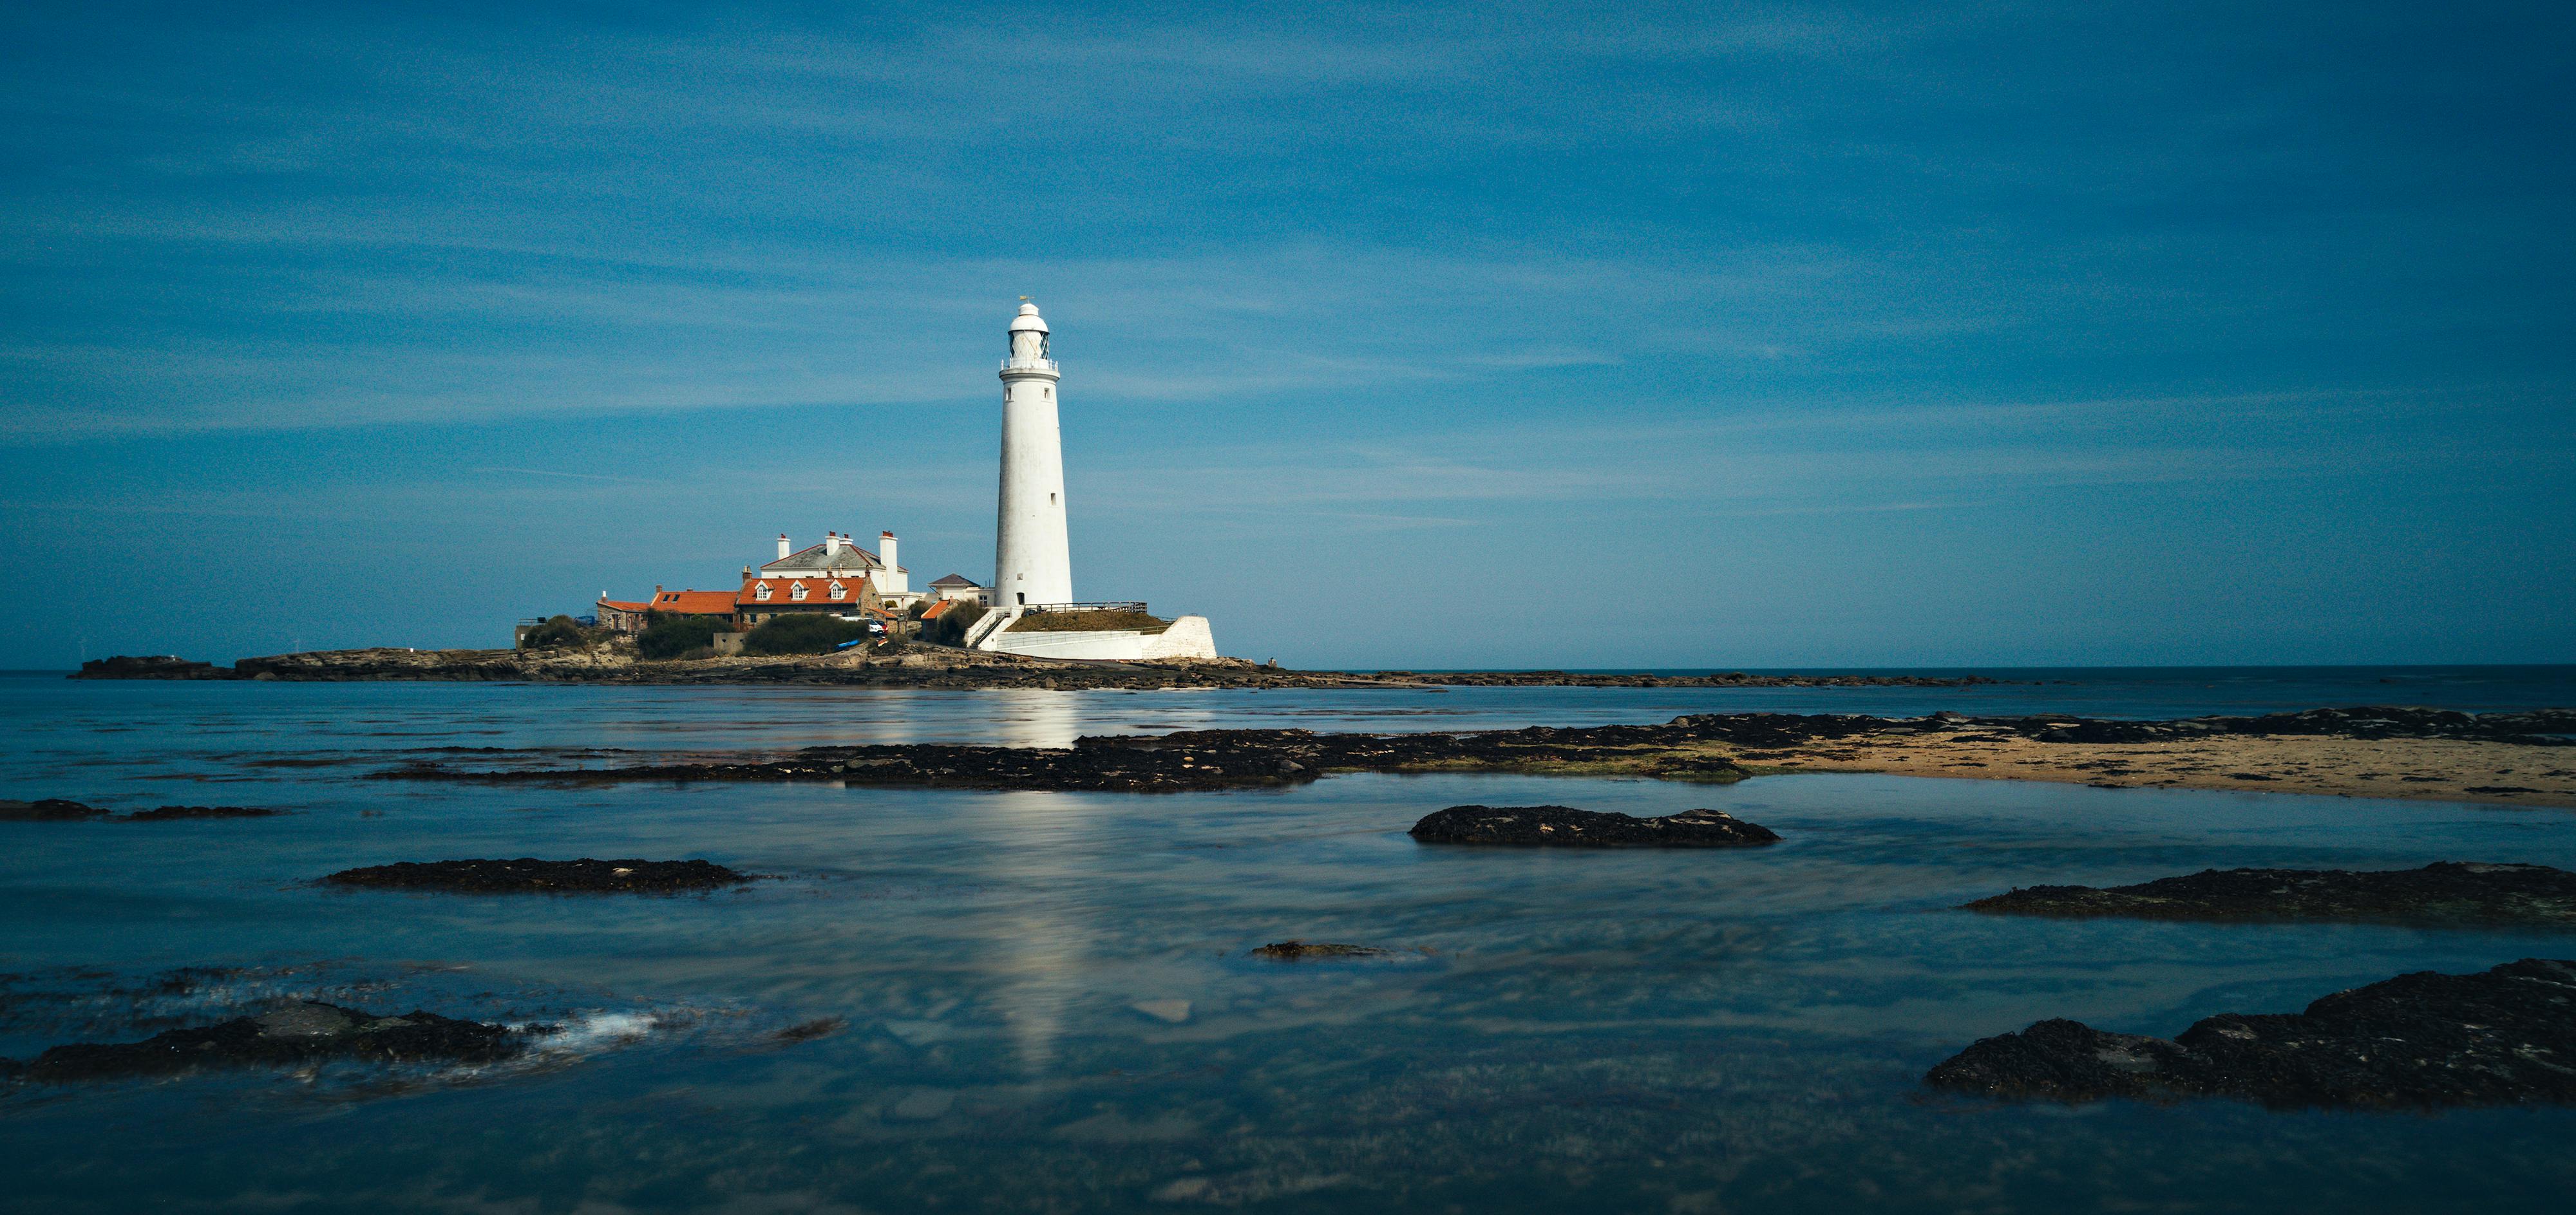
(1475, 336)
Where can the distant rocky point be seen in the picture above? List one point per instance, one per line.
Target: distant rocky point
(55, 809)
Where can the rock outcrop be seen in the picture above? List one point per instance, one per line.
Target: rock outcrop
(55, 809)
(1566, 827)
(153, 666)
(527, 875)
(49, 810)
(1191, 760)
(1312, 951)
(301, 1034)
(2445, 892)
(2505, 1036)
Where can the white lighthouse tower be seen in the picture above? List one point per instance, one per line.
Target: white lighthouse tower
(1031, 563)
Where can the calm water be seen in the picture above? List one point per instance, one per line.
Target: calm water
(1044, 999)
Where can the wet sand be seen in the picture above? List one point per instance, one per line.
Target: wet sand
(2442, 769)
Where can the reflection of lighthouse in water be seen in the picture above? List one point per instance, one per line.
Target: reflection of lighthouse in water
(1041, 945)
(1031, 561)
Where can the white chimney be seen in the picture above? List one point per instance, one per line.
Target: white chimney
(782, 546)
(832, 544)
(885, 550)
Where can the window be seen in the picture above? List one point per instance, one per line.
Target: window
(762, 594)
(796, 592)
(839, 592)
(1050, 499)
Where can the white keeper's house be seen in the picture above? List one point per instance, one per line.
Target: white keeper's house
(834, 574)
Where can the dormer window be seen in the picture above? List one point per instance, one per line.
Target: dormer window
(839, 592)
(761, 593)
(797, 591)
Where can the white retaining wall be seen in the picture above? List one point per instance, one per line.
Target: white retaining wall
(1189, 637)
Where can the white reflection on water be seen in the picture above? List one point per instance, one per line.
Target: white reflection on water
(1039, 945)
(1024, 718)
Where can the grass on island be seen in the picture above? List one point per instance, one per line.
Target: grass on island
(1089, 622)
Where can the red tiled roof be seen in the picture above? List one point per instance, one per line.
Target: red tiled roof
(692, 603)
(782, 592)
(933, 611)
(623, 606)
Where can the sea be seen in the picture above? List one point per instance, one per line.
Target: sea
(1045, 1002)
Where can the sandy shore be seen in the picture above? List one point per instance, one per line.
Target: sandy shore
(2444, 769)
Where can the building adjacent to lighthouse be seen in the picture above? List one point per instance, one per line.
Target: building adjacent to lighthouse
(1033, 608)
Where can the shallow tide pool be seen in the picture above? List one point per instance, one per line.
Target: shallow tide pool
(1029, 1001)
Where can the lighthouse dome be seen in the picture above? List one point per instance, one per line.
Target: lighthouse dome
(1028, 319)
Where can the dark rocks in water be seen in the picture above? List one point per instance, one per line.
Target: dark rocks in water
(1309, 951)
(527, 875)
(2449, 891)
(1566, 827)
(807, 1031)
(2506, 1036)
(303, 1033)
(159, 812)
(49, 809)
(1694, 747)
(1184, 762)
(55, 809)
(153, 666)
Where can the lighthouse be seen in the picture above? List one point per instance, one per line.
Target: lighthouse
(1031, 563)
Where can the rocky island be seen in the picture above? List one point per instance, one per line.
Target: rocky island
(901, 664)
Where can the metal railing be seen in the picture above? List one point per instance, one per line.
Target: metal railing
(1119, 605)
(1028, 365)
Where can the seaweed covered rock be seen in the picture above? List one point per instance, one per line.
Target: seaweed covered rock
(2505, 1036)
(168, 812)
(2445, 892)
(1567, 827)
(1311, 951)
(528, 875)
(304, 1033)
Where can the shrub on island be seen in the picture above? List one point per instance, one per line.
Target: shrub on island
(801, 633)
(667, 635)
(561, 631)
(950, 628)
